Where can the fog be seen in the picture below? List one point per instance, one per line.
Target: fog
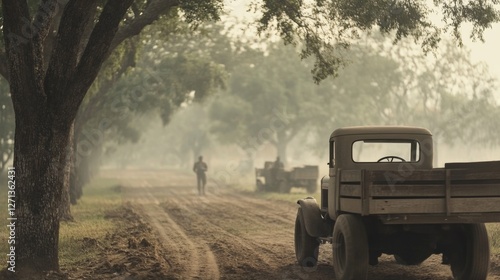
(240, 100)
(268, 105)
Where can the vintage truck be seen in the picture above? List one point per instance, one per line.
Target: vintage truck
(383, 196)
(271, 178)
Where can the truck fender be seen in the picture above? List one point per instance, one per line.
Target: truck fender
(315, 224)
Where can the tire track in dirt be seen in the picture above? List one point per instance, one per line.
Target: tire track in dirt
(197, 261)
(242, 236)
(185, 212)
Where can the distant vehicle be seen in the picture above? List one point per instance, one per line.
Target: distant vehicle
(383, 196)
(271, 178)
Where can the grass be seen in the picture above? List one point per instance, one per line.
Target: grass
(100, 196)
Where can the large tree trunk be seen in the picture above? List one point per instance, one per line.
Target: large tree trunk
(45, 105)
(65, 211)
(40, 160)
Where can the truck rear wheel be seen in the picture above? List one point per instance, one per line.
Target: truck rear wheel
(306, 246)
(350, 248)
(470, 257)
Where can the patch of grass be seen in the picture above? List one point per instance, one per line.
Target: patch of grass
(78, 240)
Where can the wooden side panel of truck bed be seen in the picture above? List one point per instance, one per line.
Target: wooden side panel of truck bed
(445, 193)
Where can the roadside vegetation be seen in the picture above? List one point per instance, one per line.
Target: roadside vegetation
(82, 240)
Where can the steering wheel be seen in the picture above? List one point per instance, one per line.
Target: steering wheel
(391, 159)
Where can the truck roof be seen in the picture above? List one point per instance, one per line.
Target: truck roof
(360, 130)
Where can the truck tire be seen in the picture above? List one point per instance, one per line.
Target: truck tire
(311, 186)
(350, 248)
(470, 257)
(306, 246)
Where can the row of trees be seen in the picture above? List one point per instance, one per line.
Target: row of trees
(270, 99)
(54, 51)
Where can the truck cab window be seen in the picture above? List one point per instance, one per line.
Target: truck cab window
(331, 162)
(386, 151)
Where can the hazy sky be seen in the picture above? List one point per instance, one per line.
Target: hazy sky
(489, 51)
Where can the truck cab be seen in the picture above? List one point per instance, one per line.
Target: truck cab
(397, 148)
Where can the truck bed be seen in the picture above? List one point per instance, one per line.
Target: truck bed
(458, 193)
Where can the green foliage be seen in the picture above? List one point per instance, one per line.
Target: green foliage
(328, 27)
(101, 196)
(399, 85)
(270, 99)
(174, 69)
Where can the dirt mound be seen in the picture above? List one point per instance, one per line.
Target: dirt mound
(131, 253)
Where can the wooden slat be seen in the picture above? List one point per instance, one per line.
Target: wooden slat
(440, 218)
(475, 205)
(407, 206)
(434, 205)
(350, 190)
(475, 174)
(395, 176)
(472, 190)
(350, 176)
(351, 205)
(407, 191)
(422, 176)
(482, 165)
(462, 190)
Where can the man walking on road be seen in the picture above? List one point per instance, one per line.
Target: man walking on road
(200, 168)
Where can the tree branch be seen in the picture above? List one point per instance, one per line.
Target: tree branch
(43, 20)
(64, 56)
(95, 54)
(26, 94)
(41, 28)
(152, 12)
(92, 106)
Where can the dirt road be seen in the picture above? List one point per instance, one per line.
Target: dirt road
(229, 235)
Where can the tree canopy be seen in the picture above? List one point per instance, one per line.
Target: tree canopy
(326, 27)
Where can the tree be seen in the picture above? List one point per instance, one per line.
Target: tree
(53, 57)
(47, 91)
(327, 27)
(270, 99)
(168, 64)
(445, 93)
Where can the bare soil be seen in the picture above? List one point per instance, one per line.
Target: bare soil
(172, 233)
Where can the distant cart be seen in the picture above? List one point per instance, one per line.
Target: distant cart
(275, 179)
